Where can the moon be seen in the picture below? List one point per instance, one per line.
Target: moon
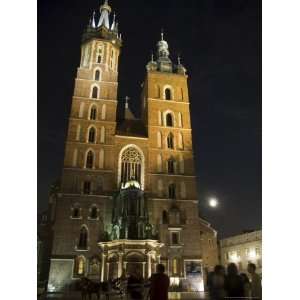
(213, 202)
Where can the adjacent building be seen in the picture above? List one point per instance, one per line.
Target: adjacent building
(242, 249)
(128, 192)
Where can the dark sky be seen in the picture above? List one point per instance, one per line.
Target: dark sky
(220, 45)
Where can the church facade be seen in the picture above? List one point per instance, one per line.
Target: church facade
(105, 156)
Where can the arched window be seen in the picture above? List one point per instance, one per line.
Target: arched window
(172, 191)
(103, 112)
(83, 238)
(159, 137)
(165, 219)
(171, 166)
(170, 141)
(89, 160)
(93, 113)
(75, 212)
(168, 94)
(94, 212)
(79, 265)
(131, 165)
(92, 135)
(169, 120)
(97, 75)
(102, 134)
(99, 54)
(95, 92)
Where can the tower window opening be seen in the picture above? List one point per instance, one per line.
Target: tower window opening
(170, 141)
(94, 213)
(169, 120)
(76, 213)
(89, 160)
(175, 238)
(83, 237)
(99, 59)
(97, 75)
(172, 191)
(92, 135)
(165, 219)
(168, 94)
(131, 165)
(171, 166)
(95, 92)
(93, 113)
(87, 187)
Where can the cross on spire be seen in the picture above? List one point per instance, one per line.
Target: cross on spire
(162, 34)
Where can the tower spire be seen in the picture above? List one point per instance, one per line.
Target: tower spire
(93, 20)
(105, 10)
(113, 25)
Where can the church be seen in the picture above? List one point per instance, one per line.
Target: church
(128, 196)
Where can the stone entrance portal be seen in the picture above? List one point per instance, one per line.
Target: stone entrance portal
(121, 257)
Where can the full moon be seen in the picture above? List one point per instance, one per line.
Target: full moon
(213, 202)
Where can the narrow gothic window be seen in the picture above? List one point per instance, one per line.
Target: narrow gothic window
(95, 92)
(167, 94)
(103, 112)
(172, 192)
(93, 113)
(175, 239)
(180, 140)
(89, 160)
(165, 217)
(97, 75)
(170, 141)
(94, 213)
(102, 134)
(169, 120)
(87, 187)
(83, 237)
(76, 213)
(171, 166)
(99, 59)
(131, 165)
(92, 135)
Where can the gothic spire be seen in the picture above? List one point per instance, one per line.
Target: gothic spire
(113, 25)
(105, 10)
(93, 20)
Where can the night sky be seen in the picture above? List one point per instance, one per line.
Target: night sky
(220, 45)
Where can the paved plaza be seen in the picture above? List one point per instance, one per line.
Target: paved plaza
(77, 296)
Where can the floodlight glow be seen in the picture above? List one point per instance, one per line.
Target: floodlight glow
(213, 202)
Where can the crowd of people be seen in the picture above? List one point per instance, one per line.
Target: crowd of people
(222, 285)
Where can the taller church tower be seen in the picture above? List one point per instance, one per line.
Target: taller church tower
(104, 156)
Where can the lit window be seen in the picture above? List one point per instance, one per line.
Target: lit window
(89, 160)
(87, 187)
(79, 265)
(92, 135)
(169, 120)
(174, 266)
(170, 141)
